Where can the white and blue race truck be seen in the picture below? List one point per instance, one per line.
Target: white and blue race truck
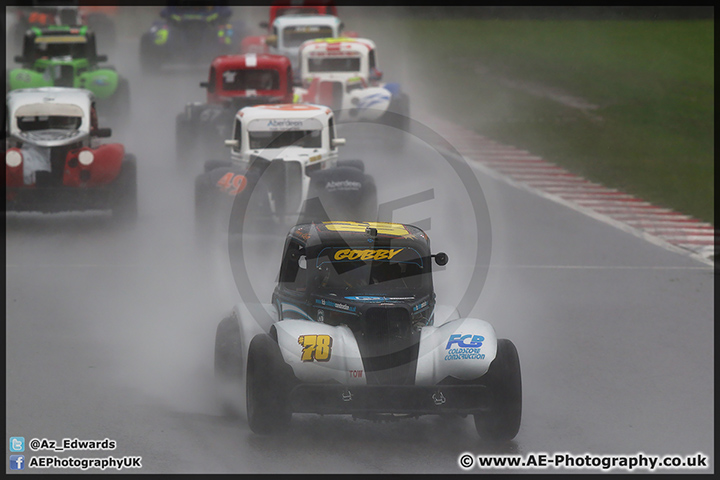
(343, 73)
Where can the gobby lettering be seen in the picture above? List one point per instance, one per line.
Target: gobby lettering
(367, 254)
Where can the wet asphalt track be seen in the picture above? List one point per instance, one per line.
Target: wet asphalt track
(110, 333)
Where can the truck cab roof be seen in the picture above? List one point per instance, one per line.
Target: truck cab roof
(250, 75)
(350, 233)
(339, 58)
(290, 111)
(73, 41)
(294, 20)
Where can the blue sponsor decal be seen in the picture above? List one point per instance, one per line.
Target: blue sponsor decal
(370, 298)
(468, 347)
(337, 306)
(465, 354)
(420, 306)
(371, 100)
(465, 341)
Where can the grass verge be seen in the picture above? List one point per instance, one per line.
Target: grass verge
(647, 126)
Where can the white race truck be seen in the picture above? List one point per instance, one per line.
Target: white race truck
(284, 164)
(290, 31)
(343, 74)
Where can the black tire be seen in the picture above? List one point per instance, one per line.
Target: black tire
(228, 350)
(204, 208)
(125, 202)
(114, 110)
(184, 141)
(105, 32)
(354, 163)
(17, 35)
(398, 117)
(150, 60)
(402, 107)
(228, 365)
(121, 102)
(213, 164)
(504, 383)
(267, 387)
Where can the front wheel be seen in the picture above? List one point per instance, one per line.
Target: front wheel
(106, 35)
(205, 208)
(502, 422)
(211, 165)
(150, 56)
(228, 364)
(125, 202)
(228, 350)
(267, 389)
(184, 140)
(121, 102)
(400, 105)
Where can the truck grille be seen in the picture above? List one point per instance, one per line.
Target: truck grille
(282, 178)
(389, 346)
(64, 75)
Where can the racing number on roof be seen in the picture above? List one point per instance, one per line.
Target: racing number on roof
(315, 347)
(382, 228)
(38, 18)
(232, 184)
(291, 106)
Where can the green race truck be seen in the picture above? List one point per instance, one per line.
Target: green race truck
(66, 56)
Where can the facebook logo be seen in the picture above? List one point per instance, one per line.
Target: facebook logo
(17, 444)
(17, 462)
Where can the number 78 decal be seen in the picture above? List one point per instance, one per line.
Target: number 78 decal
(315, 347)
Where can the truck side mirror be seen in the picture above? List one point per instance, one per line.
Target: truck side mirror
(101, 132)
(204, 84)
(232, 143)
(336, 142)
(441, 258)
(264, 25)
